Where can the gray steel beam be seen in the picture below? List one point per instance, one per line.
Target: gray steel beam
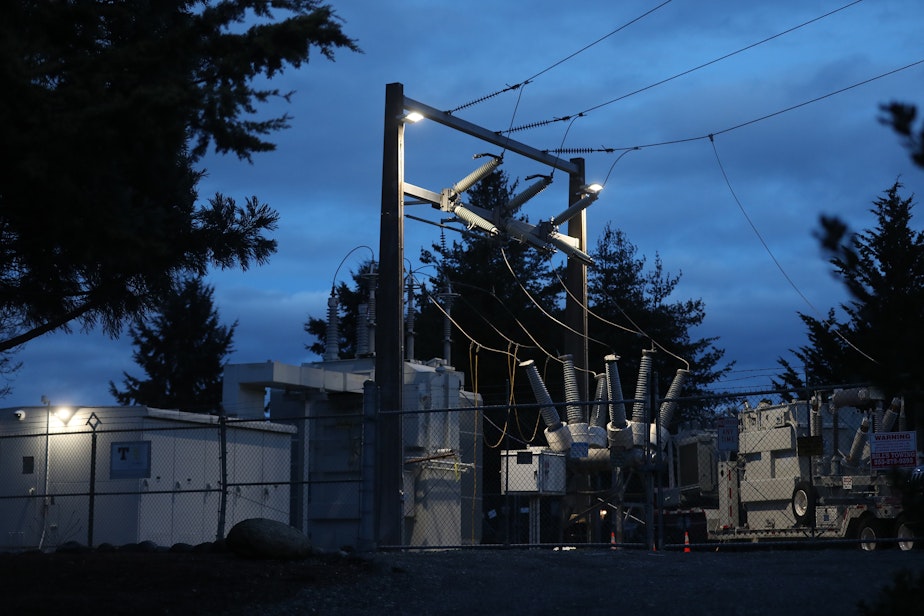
(441, 117)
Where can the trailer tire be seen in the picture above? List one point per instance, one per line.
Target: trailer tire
(904, 532)
(868, 532)
(804, 498)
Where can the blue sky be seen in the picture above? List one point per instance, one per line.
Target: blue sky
(828, 157)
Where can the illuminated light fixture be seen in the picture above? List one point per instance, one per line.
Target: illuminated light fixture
(590, 188)
(411, 117)
(63, 414)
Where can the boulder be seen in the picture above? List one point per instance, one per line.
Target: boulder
(263, 538)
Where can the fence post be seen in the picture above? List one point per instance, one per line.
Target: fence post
(93, 421)
(366, 540)
(223, 481)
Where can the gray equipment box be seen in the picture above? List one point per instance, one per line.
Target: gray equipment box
(532, 471)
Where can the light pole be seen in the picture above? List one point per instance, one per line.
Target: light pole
(45, 501)
(63, 414)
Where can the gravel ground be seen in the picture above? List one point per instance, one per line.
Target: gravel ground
(795, 582)
(587, 581)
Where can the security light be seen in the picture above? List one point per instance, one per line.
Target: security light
(63, 414)
(590, 188)
(411, 117)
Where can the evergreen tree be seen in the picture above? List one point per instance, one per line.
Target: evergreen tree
(8, 366)
(822, 360)
(182, 349)
(883, 270)
(903, 117)
(632, 310)
(496, 291)
(107, 108)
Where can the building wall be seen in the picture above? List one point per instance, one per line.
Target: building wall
(174, 499)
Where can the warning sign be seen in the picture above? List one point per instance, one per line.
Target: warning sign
(727, 433)
(893, 450)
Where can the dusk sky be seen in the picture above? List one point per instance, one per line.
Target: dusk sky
(793, 107)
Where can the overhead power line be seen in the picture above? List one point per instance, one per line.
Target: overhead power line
(754, 120)
(686, 72)
(519, 85)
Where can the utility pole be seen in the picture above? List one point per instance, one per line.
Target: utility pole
(576, 282)
(389, 336)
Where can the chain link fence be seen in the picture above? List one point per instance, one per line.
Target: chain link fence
(754, 469)
(121, 476)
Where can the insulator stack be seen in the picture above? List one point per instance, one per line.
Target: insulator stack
(556, 433)
(599, 413)
(670, 403)
(447, 297)
(370, 278)
(332, 337)
(517, 202)
(816, 421)
(614, 386)
(575, 412)
(894, 412)
(475, 176)
(474, 220)
(362, 330)
(409, 322)
(641, 387)
(546, 406)
(859, 441)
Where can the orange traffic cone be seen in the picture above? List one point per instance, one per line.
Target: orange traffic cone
(686, 542)
(613, 545)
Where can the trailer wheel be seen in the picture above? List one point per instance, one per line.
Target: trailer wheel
(905, 534)
(868, 532)
(803, 503)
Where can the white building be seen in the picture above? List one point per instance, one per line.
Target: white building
(157, 475)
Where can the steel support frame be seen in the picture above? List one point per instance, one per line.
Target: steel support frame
(389, 335)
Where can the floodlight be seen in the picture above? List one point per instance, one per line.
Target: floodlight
(590, 188)
(63, 414)
(411, 117)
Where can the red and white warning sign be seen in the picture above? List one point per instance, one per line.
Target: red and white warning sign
(893, 450)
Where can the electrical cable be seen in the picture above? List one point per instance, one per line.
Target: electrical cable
(462, 331)
(520, 85)
(774, 114)
(337, 271)
(488, 322)
(694, 69)
(543, 310)
(726, 56)
(776, 262)
(638, 330)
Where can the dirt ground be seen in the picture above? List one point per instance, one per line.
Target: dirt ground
(546, 581)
